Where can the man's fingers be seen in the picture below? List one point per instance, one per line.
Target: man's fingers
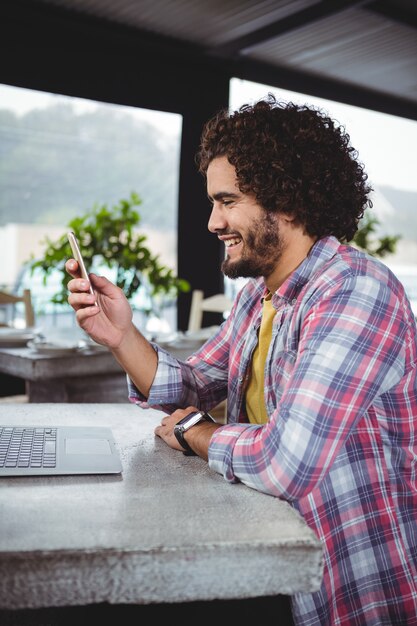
(71, 267)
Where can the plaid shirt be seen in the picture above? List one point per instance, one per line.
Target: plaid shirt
(341, 441)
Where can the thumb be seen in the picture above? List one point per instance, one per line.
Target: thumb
(102, 284)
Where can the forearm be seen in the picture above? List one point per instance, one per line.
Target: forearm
(138, 359)
(198, 438)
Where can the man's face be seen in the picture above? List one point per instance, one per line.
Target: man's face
(251, 235)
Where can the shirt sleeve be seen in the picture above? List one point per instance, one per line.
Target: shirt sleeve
(349, 350)
(199, 381)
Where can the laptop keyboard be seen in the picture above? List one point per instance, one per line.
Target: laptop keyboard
(27, 447)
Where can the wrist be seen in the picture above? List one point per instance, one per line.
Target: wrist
(187, 423)
(128, 337)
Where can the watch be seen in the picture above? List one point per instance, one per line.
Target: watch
(185, 424)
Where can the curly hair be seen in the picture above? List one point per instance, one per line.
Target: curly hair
(296, 160)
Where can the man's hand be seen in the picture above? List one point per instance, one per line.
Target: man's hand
(198, 437)
(109, 322)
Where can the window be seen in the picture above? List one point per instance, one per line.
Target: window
(59, 156)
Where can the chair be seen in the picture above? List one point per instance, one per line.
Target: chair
(10, 299)
(219, 303)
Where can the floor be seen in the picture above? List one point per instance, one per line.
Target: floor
(12, 389)
(259, 611)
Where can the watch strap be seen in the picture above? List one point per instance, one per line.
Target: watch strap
(188, 451)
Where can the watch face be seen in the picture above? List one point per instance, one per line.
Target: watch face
(190, 420)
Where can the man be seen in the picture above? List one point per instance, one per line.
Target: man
(317, 358)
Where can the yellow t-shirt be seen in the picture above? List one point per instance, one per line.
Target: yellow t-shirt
(255, 402)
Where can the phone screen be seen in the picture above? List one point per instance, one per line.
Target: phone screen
(78, 257)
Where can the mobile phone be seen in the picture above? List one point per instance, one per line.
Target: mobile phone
(79, 258)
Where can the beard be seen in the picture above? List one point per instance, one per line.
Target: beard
(262, 250)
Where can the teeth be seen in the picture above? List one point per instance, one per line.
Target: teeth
(232, 242)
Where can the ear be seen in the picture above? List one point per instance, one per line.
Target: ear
(286, 220)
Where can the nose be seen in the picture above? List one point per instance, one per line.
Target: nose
(216, 220)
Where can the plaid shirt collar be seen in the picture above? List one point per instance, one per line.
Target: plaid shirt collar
(322, 251)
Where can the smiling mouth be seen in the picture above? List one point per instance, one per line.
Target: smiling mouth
(229, 243)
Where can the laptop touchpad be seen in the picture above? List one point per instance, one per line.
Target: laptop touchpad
(87, 446)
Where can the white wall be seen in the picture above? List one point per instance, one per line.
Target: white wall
(18, 242)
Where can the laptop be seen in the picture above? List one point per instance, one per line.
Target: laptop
(45, 450)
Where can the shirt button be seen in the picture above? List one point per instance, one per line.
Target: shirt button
(294, 301)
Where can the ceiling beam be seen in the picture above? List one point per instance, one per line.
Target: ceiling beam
(395, 12)
(297, 20)
(327, 88)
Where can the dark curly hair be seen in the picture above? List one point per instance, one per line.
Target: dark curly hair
(296, 160)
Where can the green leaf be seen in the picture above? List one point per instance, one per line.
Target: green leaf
(365, 240)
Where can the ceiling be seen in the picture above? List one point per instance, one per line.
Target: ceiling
(361, 52)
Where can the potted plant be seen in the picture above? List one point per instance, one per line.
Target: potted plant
(375, 246)
(110, 238)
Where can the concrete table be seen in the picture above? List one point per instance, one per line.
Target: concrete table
(87, 376)
(167, 530)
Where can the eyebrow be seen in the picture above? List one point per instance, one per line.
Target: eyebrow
(220, 195)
